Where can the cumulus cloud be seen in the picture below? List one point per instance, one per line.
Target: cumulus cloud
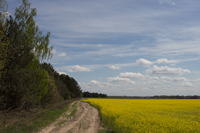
(165, 70)
(62, 54)
(130, 75)
(159, 61)
(170, 2)
(136, 75)
(197, 80)
(95, 83)
(187, 84)
(62, 73)
(144, 62)
(114, 67)
(78, 68)
(53, 51)
(174, 79)
(118, 79)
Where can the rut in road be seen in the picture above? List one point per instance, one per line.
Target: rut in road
(86, 120)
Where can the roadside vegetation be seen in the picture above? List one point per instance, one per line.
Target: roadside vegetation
(34, 119)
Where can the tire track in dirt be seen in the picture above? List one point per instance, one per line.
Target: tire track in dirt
(86, 120)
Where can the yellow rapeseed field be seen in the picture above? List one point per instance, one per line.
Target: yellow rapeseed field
(149, 115)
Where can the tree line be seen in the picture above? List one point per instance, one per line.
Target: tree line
(158, 97)
(25, 79)
(94, 95)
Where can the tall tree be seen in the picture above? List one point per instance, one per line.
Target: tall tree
(4, 42)
(3, 10)
(23, 81)
(25, 15)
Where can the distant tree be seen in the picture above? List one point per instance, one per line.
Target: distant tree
(94, 95)
(72, 85)
(59, 85)
(49, 68)
(195, 97)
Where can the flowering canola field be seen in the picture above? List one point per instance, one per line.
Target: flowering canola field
(149, 115)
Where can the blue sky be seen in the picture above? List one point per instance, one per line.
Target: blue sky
(124, 47)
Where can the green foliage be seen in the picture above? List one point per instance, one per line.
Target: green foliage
(72, 85)
(24, 15)
(3, 40)
(42, 79)
(4, 44)
(3, 11)
(62, 88)
(52, 94)
(24, 82)
(59, 84)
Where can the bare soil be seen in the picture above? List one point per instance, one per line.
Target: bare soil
(85, 120)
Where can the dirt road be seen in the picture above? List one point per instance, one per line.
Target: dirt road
(80, 118)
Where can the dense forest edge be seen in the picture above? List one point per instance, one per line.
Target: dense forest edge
(26, 80)
(32, 93)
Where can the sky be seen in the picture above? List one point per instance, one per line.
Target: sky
(124, 47)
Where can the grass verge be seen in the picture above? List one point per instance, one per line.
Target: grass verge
(32, 120)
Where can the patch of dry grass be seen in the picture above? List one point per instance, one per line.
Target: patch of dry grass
(33, 119)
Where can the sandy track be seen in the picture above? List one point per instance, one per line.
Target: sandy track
(86, 120)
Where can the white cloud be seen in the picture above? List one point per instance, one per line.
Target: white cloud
(130, 75)
(144, 62)
(174, 79)
(136, 75)
(187, 84)
(159, 61)
(114, 67)
(170, 2)
(95, 83)
(62, 54)
(96, 66)
(54, 51)
(118, 79)
(78, 68)
(197, 80)
(63, 73)
(165, 70)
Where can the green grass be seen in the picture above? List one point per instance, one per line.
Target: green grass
(32, 122)
(73, 112)
(46, 117)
